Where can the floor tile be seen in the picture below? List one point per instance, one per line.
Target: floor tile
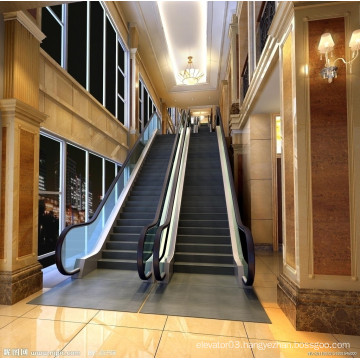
(112, 341)
(61, 314)
(279, 349)
(265, 280)
(352, 339)
(206, 326)
(267, 296)
(17, 309)
(38, 335)
(182, 345)
(261, 268)
(137, 320)
(281, 329)
(5, 320)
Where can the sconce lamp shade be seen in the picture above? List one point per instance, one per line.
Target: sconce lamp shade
(326, 43)
(354, 43)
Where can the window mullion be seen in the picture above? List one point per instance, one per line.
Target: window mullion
(104, 60)
(64, 37)
(88, 47)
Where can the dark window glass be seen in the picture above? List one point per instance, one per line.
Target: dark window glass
(109, 173)
(57, 9)
(121, 109)
(75, 185)
(48, 225)
(110, 67)
(121, 58)
(77, 23)
(150, 108)
(146, 109)
(49, 180)
(49, 164)
(96, 50)
(95, 183)
(121, 84)
(118, 168)
(140, 90)
(52, 29)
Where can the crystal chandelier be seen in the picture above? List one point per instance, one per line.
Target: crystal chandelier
(190, 76)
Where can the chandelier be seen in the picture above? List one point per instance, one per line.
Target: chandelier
(190, 76)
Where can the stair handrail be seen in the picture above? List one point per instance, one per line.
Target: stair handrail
(247, 242)
(62, 236)
(157, 217)
(157, 257)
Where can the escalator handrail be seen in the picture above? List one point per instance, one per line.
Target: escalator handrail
(245, 230)
(157, 241)
(62, 236)
(145, 229)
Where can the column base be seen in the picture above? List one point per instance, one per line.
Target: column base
(326, 311)
(19, 284)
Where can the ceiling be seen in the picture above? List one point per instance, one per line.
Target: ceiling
(171, 32)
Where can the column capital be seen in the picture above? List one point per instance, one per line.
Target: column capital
(25, 21)
(11, 108)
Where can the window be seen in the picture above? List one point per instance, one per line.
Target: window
(71, 196)
(81, 37)
(49, 198)
(53, 27)
(146, 106)
(75, 185)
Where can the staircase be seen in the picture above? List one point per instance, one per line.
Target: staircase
(139, 209)
(203, 240)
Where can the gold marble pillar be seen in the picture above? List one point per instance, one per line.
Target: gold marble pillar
(164, 116)
(20, 272)
(319, 289)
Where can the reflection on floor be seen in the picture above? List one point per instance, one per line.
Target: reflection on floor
(48, 331)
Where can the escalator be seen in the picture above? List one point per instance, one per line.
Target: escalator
(203, 242)
(208, 236)
(139, 209)
(110, 239)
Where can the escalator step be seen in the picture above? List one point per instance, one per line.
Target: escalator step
(204, 268)
(117, 264)
(203, 239)
(216, 258)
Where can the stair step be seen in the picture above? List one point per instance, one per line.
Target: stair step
(204, 248)
(204, 223)
(203, 239)
(133, 222)
(124, 237)
(204, 216)
(127, 229)
(203, 209)
(135, 208)
(117, 264)
(204, 268)
(121, 245)
(119, 254)
(204, 258)
(137, 215)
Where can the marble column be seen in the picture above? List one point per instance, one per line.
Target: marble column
(20, 272)
(319, 289)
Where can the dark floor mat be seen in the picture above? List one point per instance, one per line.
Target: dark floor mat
(194, 295)
(101, 289)
(206, 296)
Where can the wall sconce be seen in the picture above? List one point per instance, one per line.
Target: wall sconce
(326, 46)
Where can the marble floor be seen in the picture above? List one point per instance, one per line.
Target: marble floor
(35, 331)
